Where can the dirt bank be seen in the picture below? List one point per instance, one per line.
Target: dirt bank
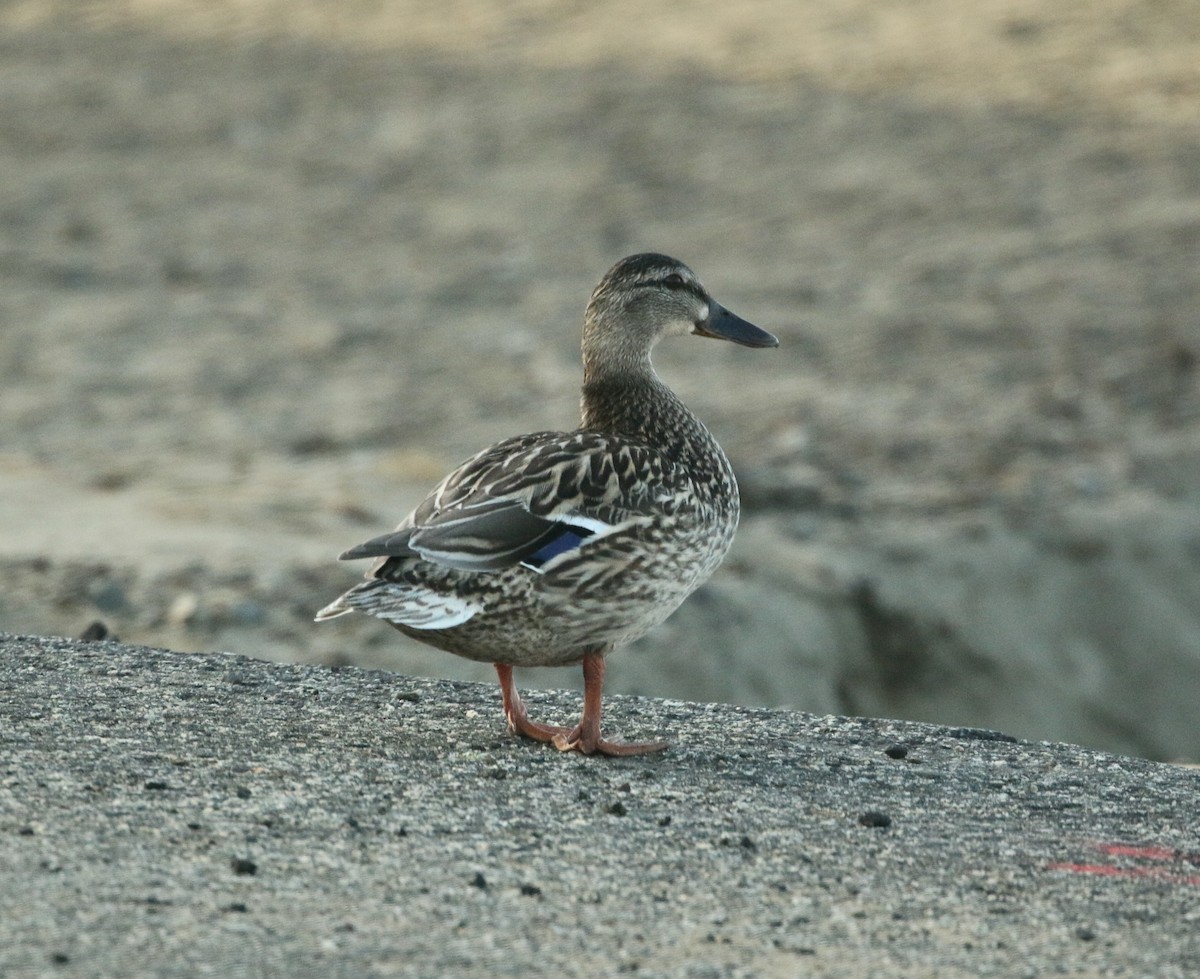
(266, 270)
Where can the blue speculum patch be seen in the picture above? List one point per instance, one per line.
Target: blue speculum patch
(568, 540)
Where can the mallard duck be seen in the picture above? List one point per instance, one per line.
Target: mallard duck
(553, 548)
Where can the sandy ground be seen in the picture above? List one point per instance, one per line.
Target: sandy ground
(267, 270)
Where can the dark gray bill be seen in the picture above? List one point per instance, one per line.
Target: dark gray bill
(723, 325)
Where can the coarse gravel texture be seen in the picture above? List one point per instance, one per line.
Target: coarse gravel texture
(168, 814)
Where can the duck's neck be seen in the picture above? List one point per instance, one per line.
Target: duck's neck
(627, 404)
(641, 407)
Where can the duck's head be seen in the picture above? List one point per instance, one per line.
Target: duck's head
(644, 298)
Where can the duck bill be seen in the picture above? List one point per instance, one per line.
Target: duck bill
(723, 325)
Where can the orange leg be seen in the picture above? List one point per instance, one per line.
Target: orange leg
(585, 736)
(514, 710)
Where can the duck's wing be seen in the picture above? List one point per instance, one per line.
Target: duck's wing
(531, 499)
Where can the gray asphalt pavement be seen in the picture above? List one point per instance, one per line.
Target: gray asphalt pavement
(168, 814)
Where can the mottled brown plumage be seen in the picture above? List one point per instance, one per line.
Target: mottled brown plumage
(553, 548)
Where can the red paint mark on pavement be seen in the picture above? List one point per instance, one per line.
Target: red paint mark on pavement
(1134, 861)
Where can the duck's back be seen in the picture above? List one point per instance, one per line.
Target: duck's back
(547, 544)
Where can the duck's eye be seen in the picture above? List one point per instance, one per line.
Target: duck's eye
(674, 281)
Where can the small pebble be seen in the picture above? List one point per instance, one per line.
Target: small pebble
(96, 632)
(875, 819)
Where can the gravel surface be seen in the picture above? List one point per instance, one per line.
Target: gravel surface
(167, 814)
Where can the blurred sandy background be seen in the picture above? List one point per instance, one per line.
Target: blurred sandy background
(268, 269)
